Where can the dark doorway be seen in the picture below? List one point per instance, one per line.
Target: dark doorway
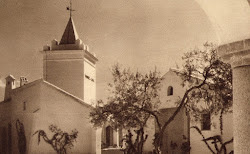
(109, 136)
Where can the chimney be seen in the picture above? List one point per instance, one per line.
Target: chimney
(23, 81)
(10, 84)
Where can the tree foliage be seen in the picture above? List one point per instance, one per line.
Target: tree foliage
(212, 78)
(133, 97)
(209, 90)
(208, 83)
(60, 141)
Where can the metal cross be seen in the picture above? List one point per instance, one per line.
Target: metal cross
(69, 8)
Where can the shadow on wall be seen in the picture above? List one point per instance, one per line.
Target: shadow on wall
(21, 137)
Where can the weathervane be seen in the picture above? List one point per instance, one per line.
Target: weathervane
(69, 8)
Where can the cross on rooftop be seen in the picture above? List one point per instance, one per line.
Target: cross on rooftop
(69, 8)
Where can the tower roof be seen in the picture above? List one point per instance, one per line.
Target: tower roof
(70, 35)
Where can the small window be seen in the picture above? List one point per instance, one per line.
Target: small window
(24, 106)
(170, 91)
(206, 121)
(87, 77)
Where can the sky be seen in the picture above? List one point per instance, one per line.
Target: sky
(140, 34)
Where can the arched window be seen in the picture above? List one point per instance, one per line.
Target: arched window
(109, 136)
(170, 91)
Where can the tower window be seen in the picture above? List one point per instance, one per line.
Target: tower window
(88, 77)
(206, 121)
(170, 91)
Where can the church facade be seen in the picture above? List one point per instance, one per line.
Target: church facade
(64, 97)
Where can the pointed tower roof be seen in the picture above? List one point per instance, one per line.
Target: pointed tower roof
(70, 35)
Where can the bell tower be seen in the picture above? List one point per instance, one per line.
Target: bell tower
(70, 65)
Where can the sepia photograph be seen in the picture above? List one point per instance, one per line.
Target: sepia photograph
(125, 77)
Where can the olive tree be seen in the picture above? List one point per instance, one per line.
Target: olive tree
(134, 97)
(208, 83)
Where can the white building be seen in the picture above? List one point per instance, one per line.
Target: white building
(171, 92)
(179, 130)
(64, 97)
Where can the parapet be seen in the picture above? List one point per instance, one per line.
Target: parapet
(78, 45)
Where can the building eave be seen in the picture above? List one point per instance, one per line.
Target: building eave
(54, 87)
